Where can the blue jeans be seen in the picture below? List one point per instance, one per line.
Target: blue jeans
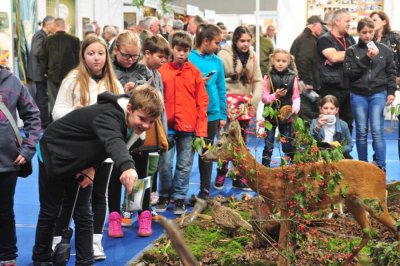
(370, 110)
(176, 185)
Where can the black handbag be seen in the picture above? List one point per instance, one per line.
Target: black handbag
(26, 169)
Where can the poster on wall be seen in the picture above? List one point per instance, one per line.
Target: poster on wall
(357, 8)
(129, 19)
(63, 9)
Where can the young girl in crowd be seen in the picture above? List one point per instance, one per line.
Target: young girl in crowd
(243, 87)
(80, 88)
(208, 38)
(13, 96)
(329, 128)
(281, 88)
(130, 73)
(372, 75)
(126, 66)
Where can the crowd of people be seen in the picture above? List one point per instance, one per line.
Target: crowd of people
(95, 99)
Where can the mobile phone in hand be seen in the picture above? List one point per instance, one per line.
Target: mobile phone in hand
(210, 74)
(372, 45)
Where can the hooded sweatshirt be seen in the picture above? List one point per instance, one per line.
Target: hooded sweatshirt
(86, 137)
(15, 97)
(215, 86)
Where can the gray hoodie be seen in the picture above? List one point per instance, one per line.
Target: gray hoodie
(15, 96)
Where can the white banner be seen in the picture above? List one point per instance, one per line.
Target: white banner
(152, 3)
(209, 14)
(192, 10)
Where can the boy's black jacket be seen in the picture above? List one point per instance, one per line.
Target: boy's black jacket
(86, 137)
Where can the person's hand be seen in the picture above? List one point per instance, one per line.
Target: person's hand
(327, 62)
(128, 179)
(20, 160)
(86, 177)
(372, 52)
(129, 87)
(308, 87)
(389, 99)
(280, 92)
(322, 119)
(207, 78)
(398, 82)
(78, 106)
(222, 124)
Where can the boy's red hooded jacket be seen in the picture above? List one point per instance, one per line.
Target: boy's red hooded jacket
(185, 98)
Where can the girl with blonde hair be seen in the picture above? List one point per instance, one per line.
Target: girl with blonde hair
(80, 88)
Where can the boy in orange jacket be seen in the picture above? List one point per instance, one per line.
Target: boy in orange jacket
(186, 103)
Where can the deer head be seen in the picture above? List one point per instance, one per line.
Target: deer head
(227, 143)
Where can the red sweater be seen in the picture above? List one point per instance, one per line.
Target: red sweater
(185, 98)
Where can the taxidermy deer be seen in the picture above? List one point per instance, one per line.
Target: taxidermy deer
(361, 182)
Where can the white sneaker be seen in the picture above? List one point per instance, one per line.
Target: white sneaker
(56, 240)
(98, 250)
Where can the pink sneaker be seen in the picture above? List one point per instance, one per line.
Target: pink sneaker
(144, 220)
(114, 225)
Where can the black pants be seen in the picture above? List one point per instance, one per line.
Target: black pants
(99, 202)
(8, 236)
(343, 96)
(52, 91)
(205, 168)
(42, 101)
(115, 186)
(51, 191)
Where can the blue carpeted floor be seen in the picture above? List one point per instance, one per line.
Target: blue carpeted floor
(121, 251)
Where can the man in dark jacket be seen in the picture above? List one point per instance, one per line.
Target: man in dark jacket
(78, 142)
(304, 50)
(35, 71)
(331, 50)
(59, 55)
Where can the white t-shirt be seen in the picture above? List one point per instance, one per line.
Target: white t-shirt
(329, 132)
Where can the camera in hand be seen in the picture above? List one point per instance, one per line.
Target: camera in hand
(330, 119)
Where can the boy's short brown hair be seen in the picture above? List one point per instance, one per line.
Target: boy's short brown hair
(182, 39)
(148, 99)
(156, 44)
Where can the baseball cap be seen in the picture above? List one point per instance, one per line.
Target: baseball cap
(315, 19)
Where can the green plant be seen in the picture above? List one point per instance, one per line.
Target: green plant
(164, 5)
(385, 254)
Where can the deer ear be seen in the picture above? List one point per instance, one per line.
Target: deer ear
(234, 129)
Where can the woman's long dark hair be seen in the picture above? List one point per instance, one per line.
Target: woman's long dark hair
(243, 76)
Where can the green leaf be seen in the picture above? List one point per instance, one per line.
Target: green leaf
(198, 144)
(268, 125)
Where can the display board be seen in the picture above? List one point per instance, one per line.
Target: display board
(64, 9)
(358, 9)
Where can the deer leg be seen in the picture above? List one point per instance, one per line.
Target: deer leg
(357, 209)
(386, 219)
(283, 258)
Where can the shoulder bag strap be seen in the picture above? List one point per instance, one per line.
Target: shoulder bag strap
(7, 113)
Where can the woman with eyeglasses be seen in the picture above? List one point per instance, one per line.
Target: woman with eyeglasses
(126, 61)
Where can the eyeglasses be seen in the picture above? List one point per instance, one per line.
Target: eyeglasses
(128, 56)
